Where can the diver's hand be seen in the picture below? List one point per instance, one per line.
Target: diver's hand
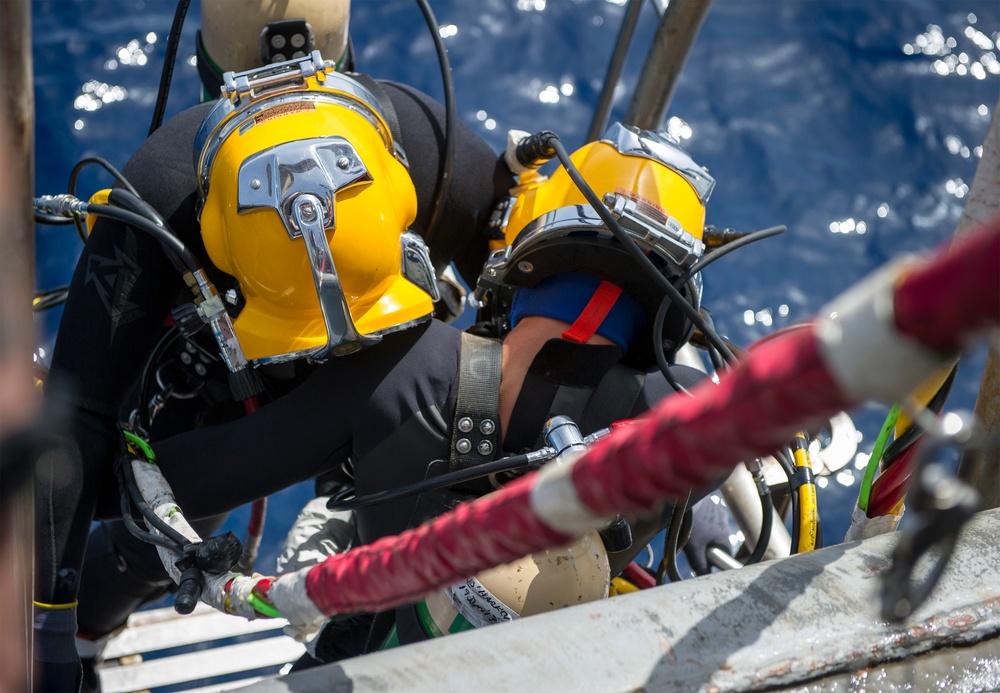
(709, 527)
(289, 596)
(240, 595)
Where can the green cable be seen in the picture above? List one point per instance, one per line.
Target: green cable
(141, 444)
(263, 606)
(864, 494)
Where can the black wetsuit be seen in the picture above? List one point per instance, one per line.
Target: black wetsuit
(124, 288)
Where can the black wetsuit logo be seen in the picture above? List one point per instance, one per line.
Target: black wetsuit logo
(114, 279)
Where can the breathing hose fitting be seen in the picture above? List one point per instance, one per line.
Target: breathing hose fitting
(527, 152)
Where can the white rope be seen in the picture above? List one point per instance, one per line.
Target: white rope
(859, 342)
(556, 502)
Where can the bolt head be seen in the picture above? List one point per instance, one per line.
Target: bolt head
(346, 348)
(463, 445)
(308, 213)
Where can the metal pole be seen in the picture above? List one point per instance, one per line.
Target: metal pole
(615, 69)
(743, 501)
(740, 491)
(18, 400)
(980, 468)
(663, 66)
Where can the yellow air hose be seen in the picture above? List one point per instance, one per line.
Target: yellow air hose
(808, 518)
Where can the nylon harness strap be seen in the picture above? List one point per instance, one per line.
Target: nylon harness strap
(614, 398)
(593, 314)
(384, 102)
(475, 430)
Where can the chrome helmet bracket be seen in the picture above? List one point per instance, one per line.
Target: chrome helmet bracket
(300, 181)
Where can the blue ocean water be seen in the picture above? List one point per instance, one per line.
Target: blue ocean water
(857, 124)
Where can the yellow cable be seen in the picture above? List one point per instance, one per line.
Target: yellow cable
(622, 586)
(923, 393)
(808, 511)
(807, 518)
(55, 607)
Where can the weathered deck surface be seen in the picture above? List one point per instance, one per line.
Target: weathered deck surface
(162, 648)
(790, 623)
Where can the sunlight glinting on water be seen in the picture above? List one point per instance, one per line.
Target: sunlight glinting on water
(933, 42)
(845, 477)
(488, 123)
(849, 226)
(531, 5)
(764, 316)
(979, 61)
(96, 94)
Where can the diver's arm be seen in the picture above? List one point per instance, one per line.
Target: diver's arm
(120, 296)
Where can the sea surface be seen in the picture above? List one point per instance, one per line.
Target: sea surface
(857, 124)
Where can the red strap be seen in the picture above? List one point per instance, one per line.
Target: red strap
(594, 313)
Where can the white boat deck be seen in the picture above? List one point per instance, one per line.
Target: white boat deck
(202, 652)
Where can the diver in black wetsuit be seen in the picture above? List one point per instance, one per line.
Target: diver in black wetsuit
(390, 409)
(121, 294)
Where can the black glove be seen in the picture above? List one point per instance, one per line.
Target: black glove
(709, 527)
(339, 639)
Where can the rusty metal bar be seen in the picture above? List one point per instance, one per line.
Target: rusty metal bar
(18, 399)
(615, 67)
(980, 468)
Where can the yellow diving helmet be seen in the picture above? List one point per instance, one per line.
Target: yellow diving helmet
(655, 191)
(544, 581)
(306, 201)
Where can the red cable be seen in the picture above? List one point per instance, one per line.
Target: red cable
(961, 291)
(638, 576)
(258, 511)
(891, 486)
(396, 570)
